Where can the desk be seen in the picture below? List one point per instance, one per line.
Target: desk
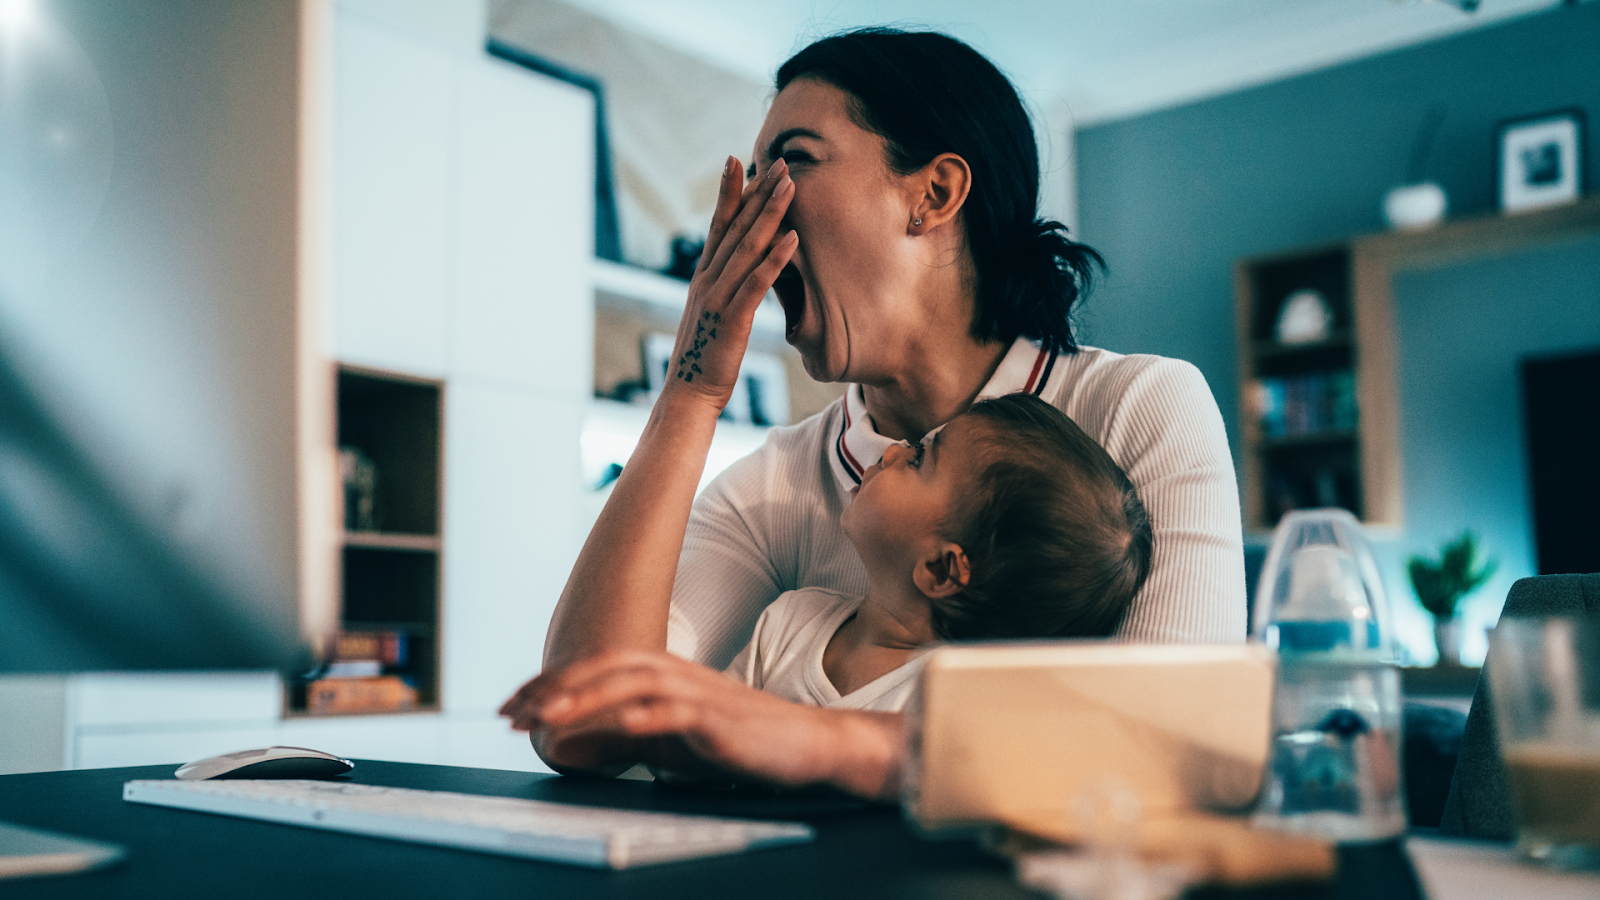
(860, 851)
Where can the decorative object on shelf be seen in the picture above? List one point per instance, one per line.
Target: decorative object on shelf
(685, 252)
(1442, 584)
(1541, 160)
(1305, 318)
(607, 229)
(1415, 206)
(360, 476)
(1418, 203)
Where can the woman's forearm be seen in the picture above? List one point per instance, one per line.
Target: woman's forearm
(866, 753)
(620, 588)
(618, 595)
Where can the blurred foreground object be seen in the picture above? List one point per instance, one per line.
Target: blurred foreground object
(1545, 674)
(1015, 732)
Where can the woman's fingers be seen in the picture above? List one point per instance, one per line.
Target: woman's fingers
(627, 683)
(756, 201)
(764, 276)
(729, 195)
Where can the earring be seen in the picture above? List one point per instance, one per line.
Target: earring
(916, 221)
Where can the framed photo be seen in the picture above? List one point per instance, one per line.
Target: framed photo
(1541, 160)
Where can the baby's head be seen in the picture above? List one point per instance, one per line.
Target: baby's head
(1014, 521)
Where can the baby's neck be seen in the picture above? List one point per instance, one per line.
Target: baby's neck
(887, 631)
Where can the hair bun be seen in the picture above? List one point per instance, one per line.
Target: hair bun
(1052, 271)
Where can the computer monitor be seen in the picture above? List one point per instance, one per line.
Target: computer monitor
(151, 365)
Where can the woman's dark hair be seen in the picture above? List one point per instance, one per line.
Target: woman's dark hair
(927, 93)
(1056, 537)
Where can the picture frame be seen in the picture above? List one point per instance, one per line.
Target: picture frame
(1541, 160)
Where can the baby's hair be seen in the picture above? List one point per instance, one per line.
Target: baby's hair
(1055, 535)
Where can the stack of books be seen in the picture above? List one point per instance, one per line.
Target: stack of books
(1301, 405)
(363, 676)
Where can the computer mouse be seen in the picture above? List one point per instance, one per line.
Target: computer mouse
(272, 762)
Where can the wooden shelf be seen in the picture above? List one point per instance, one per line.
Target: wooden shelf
(389, 433)
(1357, 277)
(379, 540)
(1481, 237)
(1341, 339)
(1289, 441)
(639, 291)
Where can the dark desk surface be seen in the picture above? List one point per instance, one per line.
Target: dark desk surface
(860, 851)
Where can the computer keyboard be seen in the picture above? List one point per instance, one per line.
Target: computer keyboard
(556, 832)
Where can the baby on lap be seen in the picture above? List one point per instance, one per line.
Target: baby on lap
(1007, 522)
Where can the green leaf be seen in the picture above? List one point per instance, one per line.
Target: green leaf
(1441, 586)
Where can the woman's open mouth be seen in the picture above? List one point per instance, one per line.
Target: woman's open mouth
(791, 290)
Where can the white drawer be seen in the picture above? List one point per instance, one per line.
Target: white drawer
(236, 699)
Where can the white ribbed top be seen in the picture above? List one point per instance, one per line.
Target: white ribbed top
(770, 522)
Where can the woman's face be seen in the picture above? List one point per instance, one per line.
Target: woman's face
(851, 213)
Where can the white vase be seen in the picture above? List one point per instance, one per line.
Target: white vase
(1415, 206)
(1447, 637)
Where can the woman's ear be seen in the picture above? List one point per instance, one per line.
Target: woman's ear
(941, 188)
(943, 572)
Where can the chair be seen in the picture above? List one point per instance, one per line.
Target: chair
(1479, 804)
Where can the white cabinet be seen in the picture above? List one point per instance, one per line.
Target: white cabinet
(511, 475)
(524, 230)
(394, 216)
(462, 195)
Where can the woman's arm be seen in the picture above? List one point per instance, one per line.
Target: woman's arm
(618, 593)
(631, 698)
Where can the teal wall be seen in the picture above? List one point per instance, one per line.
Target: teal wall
(1173, 198)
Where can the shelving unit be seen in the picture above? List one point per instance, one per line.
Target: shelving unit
(390, 564)
(1301, 420)
(1358, 463)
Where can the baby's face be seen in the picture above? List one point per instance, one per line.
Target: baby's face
(905, 498)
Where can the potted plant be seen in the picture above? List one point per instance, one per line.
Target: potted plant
(1441, 584)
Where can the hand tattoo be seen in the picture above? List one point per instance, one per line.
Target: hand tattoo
(689, 362)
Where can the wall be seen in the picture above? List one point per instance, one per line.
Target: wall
(1173, 198)
(462, 208)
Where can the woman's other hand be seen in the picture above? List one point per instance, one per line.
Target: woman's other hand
(743, 256)
(589, 715)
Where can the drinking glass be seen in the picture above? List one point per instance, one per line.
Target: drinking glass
(1544, 676)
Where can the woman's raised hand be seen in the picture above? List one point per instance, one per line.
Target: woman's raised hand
(744, 255)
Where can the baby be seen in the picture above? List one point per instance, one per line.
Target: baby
(1008, 522)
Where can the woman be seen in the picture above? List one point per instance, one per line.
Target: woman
(905, 168)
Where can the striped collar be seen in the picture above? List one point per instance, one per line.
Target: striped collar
(856, 445)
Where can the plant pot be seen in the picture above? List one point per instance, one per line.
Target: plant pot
(1447, 637)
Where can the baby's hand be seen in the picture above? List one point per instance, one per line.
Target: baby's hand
(744, 255)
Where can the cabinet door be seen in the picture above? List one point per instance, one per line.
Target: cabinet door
(524, 229)
(511, 467)
(393, 209)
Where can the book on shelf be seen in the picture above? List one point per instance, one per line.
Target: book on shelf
(387, 647)
(1300, 405)
(383, 693)
(353, 668)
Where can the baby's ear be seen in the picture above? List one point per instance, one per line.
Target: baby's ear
(943, 572)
